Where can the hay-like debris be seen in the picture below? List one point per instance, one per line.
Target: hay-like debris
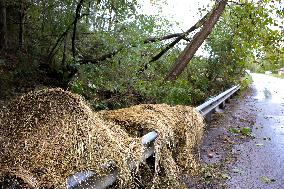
(48, 135)
(180, 129)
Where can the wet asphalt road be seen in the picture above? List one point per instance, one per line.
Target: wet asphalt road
(260, 161)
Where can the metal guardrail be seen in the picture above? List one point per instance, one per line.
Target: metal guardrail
(208, 107)
(90, 180)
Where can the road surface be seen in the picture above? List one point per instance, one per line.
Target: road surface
(260, 161)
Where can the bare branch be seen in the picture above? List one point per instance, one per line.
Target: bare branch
(196, 42)
(156, 39)
(179, 38)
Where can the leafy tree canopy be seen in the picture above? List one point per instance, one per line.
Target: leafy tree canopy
(116, 56)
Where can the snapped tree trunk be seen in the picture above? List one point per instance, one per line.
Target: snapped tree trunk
(3, 25)
(187, 54)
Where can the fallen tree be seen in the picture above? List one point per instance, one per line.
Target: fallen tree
(197, 40)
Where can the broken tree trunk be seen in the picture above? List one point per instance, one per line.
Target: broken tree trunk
(196, 42)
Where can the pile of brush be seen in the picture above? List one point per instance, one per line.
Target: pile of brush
(48, 135)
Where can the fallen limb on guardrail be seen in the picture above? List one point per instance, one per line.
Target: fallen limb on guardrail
(49, 135)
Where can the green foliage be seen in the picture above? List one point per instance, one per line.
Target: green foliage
(232, 46)
(245, 131)
(115, 89)
(112, 58)
(18, 73)
(245, 81)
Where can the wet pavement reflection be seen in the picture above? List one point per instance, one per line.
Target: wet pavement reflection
(269, 88)
(262, 158)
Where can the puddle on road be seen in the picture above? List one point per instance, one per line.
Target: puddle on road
(270, 92)
(269, 89)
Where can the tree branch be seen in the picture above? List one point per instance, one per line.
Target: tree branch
(61, 37)
(146, 41)
(166, 37)
(77, 17)
(179, 38)
(196, 42)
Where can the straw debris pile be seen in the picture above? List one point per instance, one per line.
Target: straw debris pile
(179, 128)
(48, 135)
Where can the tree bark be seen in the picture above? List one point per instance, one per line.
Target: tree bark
(187, 54)
(3, 25)
(64, 55)
(179, 38)
(77, 17)
(21, 26)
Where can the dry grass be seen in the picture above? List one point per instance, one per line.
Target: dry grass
(48, 135)
(179, 128)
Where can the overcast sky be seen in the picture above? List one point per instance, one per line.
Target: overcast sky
(183, 11)
(186, 12)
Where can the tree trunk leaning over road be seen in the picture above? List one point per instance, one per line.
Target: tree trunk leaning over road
(3, 25)
(196, 42)
(179, 38)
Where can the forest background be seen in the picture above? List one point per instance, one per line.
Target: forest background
(115, 55)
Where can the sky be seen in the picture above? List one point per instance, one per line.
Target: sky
(184, 12)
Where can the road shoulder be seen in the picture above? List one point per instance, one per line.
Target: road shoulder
(227, 129)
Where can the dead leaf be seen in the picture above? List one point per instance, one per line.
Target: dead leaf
(267, 180)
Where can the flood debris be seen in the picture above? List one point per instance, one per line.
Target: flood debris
(267, 180)
(48, 135)
(179, 128)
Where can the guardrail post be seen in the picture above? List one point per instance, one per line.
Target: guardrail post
(222, 105)
(208, 117)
